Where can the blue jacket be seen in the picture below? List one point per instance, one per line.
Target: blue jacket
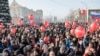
(1, 46)
(84, 42)
(67, 43)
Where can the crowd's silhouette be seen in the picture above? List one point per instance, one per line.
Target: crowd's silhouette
(49, 40)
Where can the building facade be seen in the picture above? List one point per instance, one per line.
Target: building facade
(51, 19)
(77, 16)
(17, 11)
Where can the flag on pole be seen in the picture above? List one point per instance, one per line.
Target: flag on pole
(95, 15)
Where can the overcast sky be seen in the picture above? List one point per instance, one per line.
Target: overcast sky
(59, 8)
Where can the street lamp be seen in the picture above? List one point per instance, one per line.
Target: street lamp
(86, 10)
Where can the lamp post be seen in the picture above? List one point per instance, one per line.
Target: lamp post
(87, 19)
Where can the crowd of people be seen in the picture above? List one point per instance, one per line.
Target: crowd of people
(29, 41)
